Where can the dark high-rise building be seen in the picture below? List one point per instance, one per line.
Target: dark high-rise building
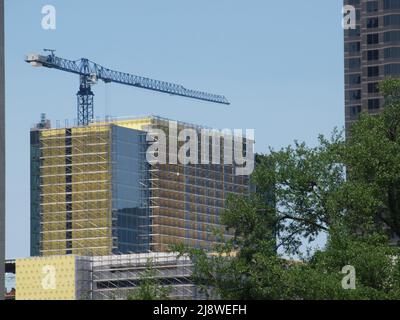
(2, 152)
(372, 53)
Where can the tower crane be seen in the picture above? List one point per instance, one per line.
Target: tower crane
(90, 73)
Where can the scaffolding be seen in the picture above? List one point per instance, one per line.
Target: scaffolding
(75, 191)
(187, 200)
(94, 193)
(118, 277)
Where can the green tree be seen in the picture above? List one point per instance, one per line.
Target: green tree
(348, 189)
(150, 288)
(371, 195)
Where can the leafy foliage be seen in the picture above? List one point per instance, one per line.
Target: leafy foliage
(348, 189)
(150, 288)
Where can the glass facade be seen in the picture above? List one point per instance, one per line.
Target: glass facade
(35, 193)
(130, 207)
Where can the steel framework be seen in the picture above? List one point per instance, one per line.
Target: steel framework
(119, 276)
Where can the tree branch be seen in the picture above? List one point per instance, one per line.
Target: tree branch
(307, 221)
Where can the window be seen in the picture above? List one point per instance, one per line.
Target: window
(355, 111)
(373, 55)
(392, 36)
(392, 20)
(373, 104)
(392, 53)
(354, 79)
(373, 71)
(353, 32)
(353, 63)
(353, 47)
(354, 95)
(68, 179)
(373, 38)
(391, 4)
(373, 87)
(392, 69)
(372, 6)
(372, 23)
(68, 198)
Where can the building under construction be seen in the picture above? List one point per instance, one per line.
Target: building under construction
(120, 276)
(116, 277)
(93, 192)
(100, 209)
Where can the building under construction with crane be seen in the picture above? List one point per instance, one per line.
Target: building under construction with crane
(95, 194)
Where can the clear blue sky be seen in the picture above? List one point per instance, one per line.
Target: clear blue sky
(280, 63)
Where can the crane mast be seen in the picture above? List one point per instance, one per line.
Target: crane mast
(90, 73)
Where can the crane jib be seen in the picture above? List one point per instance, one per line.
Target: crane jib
(91, 72)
